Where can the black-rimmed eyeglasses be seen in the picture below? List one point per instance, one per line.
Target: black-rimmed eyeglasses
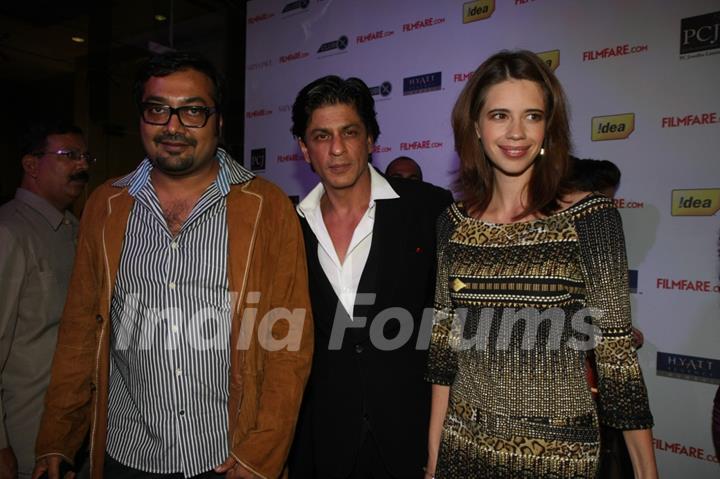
(70, 155)
(191, 116)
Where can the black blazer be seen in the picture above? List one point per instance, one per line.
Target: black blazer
(360, 387)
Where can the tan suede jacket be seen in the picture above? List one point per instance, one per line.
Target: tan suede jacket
(265, 254)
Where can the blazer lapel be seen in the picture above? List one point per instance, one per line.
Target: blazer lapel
(119, 207)
(379, 275)
(320, 286)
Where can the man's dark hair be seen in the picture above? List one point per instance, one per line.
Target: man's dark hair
(34, 139)
(167, 63)
(389, 167)
(333, 90)
(594, 175)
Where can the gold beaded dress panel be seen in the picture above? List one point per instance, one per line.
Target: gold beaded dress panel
(517, 306)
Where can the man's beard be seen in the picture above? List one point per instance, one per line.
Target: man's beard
(174, 163)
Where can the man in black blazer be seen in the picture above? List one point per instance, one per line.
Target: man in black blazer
(370, 243)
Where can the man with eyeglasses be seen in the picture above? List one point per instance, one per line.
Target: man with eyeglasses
(186, 340)
(37, 234)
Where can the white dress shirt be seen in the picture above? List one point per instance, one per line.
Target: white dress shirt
(345, 276)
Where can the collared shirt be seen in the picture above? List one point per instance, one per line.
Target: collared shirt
(36, 258)
(170, 316)
(345, 276)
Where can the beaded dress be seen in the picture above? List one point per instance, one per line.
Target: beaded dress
(517, 307)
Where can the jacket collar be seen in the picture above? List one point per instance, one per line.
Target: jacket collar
(380, 189)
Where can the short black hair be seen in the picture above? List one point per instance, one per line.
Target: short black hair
(170, 62)
(404, 158)
(333, 90)
(594, 175)
(34, 138)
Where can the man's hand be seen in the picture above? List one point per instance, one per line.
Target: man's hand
(233, 470)
(51, 464)
(8, 464)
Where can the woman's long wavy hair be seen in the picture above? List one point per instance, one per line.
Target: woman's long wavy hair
(551, 171)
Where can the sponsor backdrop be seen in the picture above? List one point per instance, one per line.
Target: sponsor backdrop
(642, 81)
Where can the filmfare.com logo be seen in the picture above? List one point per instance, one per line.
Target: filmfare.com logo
(372, 36)
(697, 202)
(699, 34)
(480, 10)
(551, 58)
(612, 127)
(260, 18)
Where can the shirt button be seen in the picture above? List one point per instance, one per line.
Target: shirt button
(359, 348)
(182, 412)
(171, 285)
(174, 245)
(98, 318)
(66, 221)
(178, 372)
(174, 328)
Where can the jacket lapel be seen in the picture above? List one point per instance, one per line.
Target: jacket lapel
(386, 252)
(379, 276)
(119, 207)
(244, 208)
(320, 286)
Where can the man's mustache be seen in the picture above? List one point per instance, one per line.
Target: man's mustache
(175, 138)
(80, 176)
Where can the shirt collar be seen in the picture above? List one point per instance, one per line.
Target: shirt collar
(380, 189)
(230, 173)
(51, 214)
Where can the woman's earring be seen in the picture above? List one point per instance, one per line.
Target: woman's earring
(542, 151)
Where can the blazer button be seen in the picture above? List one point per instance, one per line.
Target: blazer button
(359, 348)
(98, 318)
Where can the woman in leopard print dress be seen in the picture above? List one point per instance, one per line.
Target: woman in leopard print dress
(531, 275)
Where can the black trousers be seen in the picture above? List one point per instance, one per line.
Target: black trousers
(369, 464)
(115, 470)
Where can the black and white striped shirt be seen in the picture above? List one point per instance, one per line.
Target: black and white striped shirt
(170, 316)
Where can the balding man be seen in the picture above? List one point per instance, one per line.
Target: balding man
(37, 233)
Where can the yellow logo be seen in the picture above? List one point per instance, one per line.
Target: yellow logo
(612, 127)
(480, 10)
(552, 58)
(695, 202)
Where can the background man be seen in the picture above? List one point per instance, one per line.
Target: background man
(154, 357)
(371, 246)
(404, 167)
(37, 234)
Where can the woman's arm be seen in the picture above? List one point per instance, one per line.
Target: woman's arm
(642, 455)
(622, 402)
(438, 409)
